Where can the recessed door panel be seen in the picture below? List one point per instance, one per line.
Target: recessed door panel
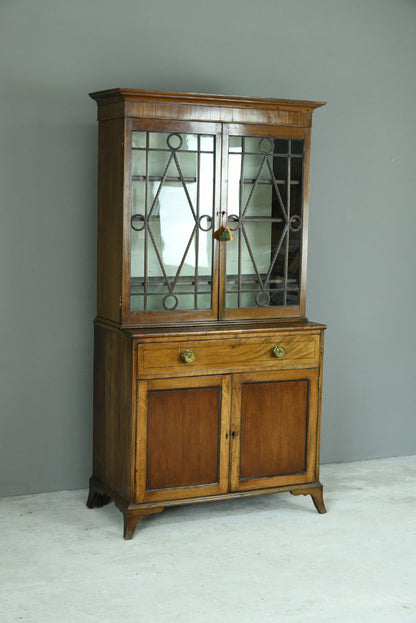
(183, 428)
(182, 438)
(274, 425)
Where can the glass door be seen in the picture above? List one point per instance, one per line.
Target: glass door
(264, 269)
(174, 186)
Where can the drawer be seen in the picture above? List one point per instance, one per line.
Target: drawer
(227, 354)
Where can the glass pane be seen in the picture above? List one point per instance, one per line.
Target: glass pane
(296, 168)
(137, 253)
(172, 213)
(257, 200)
(235, 143)
(256, 167)
(204, 260)
(251, 145)
(294, 258)
(281, 146)
(187, 163)
(158, 161)
(265, 192)
(154, 269)
(157, 140)
(137, 235)
(176, 226)
(154, 303)
(296, 147)
(204, 301)
(280, 168)
(138, 140)
(138, 193)
(206, 188)
(190, 141)
(207, 143)
(138, 162)
(234, 172)
(231, 301)
(256, 248)
(136, 303)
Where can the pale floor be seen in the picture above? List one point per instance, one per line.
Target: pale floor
(264, 559)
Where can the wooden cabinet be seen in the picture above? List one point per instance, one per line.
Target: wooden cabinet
(207, 373)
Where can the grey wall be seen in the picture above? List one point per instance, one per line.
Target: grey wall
(359, 55)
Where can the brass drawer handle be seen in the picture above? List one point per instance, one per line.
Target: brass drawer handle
(278, 351)
(188, 356)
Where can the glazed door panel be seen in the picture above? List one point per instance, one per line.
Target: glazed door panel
(267, 211)
(183, 440)
(274, 428)
(171, 217)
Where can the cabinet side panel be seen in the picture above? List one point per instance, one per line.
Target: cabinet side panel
(110, 219)
(112, 410)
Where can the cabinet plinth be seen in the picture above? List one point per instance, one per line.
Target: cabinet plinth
(207, 375)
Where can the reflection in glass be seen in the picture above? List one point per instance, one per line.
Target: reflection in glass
(171, 221)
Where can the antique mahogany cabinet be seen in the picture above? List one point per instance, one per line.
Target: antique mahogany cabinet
(207, 373)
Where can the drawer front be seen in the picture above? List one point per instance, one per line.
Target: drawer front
(227, 354)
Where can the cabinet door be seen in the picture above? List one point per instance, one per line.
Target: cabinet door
(182, 437)
(170, 216)
(275, 424)
(267, 191)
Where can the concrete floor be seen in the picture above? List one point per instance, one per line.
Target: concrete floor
(265, 559)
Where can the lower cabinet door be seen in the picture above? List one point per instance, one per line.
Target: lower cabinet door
(274, 429)
(182, 437)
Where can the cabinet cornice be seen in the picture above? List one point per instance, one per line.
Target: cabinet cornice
(132, 103)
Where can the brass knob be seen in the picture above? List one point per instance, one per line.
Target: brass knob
(278, 351)
(188, 356)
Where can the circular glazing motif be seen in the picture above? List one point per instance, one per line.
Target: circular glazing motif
(138, 222)
(262, 298)
(233, 219)
(208, 222)
(174, 141)
(266, 146)
(170, 302)
(295, 223)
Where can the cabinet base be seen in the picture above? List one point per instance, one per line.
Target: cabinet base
(100, 495)
(316, 494)
(97, 498)
(132, 516)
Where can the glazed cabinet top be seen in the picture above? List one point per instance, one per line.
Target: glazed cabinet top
(203, 207)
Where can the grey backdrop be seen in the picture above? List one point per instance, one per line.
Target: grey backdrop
(358, 55)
